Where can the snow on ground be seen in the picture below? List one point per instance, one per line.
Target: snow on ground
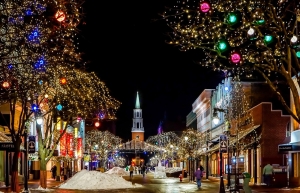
(173, 170)
(42, 189)
(118, 171)
(92, 180)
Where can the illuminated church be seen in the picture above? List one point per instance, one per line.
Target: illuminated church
(137, 129)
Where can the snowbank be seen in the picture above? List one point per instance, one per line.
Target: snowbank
(173, 170)
(92, 180)
(118, 171)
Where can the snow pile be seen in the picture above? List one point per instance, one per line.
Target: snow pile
(42, 189)
(118, 171)
(92, 180)
(173, 170)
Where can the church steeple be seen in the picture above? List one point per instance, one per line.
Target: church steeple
(137, 129)
(137, 102)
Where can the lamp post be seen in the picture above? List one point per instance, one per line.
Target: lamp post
(223, 147)
(26, 163)
(206, 161)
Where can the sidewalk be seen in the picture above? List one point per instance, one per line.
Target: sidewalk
(33, 184)
(256, 188)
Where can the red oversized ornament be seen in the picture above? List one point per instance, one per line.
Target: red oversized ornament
(63, 81)
(204, 7)
(60, 16)
(5, 84)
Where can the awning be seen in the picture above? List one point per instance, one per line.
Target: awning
(233, 140)
(285, 148)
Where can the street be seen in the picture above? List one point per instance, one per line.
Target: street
(151, 185)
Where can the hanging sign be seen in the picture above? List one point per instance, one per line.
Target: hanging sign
(223, 143)
(31, 144)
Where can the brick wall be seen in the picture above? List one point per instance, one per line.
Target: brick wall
(273, 132)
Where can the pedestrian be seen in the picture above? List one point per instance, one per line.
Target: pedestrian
(131, 169)
(201, 168)
(53, 171)
(198, 175)
(143, 170)
(139, 168)
(267, 173)
(127, 168)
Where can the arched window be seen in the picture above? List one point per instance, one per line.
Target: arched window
(137, 125)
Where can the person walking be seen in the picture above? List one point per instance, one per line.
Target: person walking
(53, 171)
(139, 169)
(131, 169)
(198, 176)
(267, 173)
(143, 170)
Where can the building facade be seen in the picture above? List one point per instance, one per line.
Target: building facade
(249, 139)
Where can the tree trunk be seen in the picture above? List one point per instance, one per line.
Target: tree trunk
(43, 173)
(43, 179)
(14, 174)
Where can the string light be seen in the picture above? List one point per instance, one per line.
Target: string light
(266, 35)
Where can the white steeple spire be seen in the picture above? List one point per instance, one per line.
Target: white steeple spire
(137, 102)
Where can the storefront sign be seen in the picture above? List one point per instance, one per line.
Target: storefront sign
(7, 146)
(31, 144)
(285, 147)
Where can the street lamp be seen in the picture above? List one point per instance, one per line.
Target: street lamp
(216, 121)
(39, 120)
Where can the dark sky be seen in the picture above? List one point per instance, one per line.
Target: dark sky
(124, 42)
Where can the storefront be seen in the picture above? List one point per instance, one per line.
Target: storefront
(291, 153)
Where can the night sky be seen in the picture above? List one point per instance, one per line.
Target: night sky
(124, 43)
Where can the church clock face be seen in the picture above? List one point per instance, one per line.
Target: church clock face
(137, 137)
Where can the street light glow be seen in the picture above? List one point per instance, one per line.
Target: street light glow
(39, 120)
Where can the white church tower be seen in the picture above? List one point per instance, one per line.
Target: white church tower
(137, 129)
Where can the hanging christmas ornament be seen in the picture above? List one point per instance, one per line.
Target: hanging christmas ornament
(298, 53)
(268, 39)
(60, 16)
(5, 84)
(63, 81)
(222, 45)
(204, 7)
(235, 57)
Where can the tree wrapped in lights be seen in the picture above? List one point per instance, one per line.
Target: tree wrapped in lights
(243, 37)
(100, 143)
(34, 42)
(89, 95)
(166, 143)
(190, 144)
(238, 108)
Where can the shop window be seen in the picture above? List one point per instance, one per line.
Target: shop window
(295, 157)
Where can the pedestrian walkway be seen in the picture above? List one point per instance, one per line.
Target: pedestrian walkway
(152, 185)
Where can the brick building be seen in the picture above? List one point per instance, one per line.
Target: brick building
(251, 145)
